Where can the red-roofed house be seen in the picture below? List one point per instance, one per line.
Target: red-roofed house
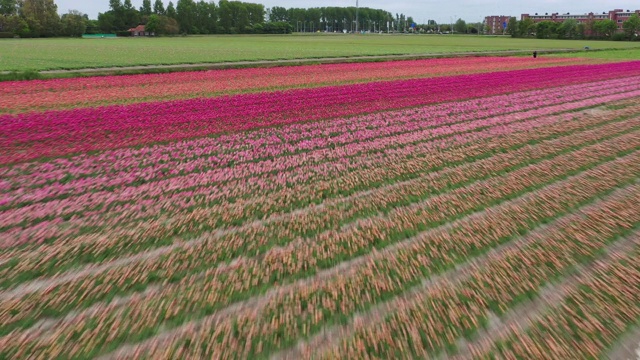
(139, 31)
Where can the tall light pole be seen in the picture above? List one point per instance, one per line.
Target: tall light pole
(357, 19)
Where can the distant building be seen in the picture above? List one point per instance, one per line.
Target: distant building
(496, 24)
(140, 31)
(617, 15)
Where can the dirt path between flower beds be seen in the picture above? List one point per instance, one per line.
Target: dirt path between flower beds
(333, 334)
(283, 62)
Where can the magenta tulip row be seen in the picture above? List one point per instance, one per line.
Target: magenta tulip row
(196, 155)
(57, 133)
(177, 193)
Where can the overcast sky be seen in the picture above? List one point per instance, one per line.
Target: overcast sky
(440, 10)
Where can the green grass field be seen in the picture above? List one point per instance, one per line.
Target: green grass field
(621, 54)
(47, 54)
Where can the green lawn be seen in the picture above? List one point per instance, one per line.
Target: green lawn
(44, 54)
(622, 54)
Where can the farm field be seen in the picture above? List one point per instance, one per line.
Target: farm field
(48, 54)
(428, 208)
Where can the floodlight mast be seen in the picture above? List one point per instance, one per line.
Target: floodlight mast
(357, 19)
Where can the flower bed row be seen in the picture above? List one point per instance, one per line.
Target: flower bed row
(435, 320)
(48, 94)
(57, 133)
(200, 296)
(288, 314)
(317, 141)
(116, 243)
(270, 174)
(591, 319)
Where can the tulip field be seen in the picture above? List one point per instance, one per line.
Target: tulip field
(445, 208)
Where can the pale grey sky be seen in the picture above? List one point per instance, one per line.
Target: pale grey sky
(440, 10)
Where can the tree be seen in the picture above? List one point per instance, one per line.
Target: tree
(206, 17)
(632, 26)
(74, 23)
(171, 10)
(277, 14)
(116, 6)
(605, 28)
(145, 9)
(460, 26)
(185, 15)
(568, 29)
(153, 24)
(41, 16)
(158, 8)
(8, 7)
(13, 24)
(512, 27)
(128, 5)
(546, 29)
(526, 27)
(162, 25)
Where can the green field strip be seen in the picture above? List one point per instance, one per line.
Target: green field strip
(619, 179)
(60, 53)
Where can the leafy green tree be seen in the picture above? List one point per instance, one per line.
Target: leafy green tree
(162, 25)
(171, 10)
(460, 26)
(41, 16)
(116, 6)
(526, 27)
(605, 28)
(632, 26)
(13, 24)
(185, 15)
(206, 17)
(153, 23)
(128, 5)
(512, 27)
(568, 29)
(158, 8)
(145, 9)
(108, 23)
(74, 23)
(278, 14)
(546, 29)
(8, 7)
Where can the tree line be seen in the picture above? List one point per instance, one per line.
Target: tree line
(572, 29)
(339, 19)
(39, 18)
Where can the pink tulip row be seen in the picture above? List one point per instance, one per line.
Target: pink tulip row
(57, 133)
(251, 169)
(265, 169)
(254, 237)
(563, 332)
(271, 144)
(503, 282)
(343, 293)
(47, 94)
(179, 194)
